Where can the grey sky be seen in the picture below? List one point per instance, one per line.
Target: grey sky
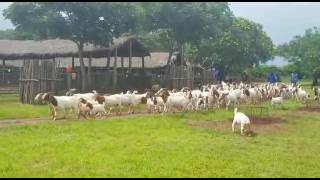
(4, 24)
(281, 20)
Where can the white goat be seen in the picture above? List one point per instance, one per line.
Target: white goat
(87, 96)
(243, 120)
(62, 103)
(276, 100)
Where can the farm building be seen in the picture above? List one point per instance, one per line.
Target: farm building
(39, 66)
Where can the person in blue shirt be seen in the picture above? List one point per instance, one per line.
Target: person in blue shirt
(294, 78)
(272, 78)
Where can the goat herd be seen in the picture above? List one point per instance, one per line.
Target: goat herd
(165, 100)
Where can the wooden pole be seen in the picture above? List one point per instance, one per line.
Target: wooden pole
(72, 62)
(89, 73)
(108, 61)
(142, 59)
(3, 62)
(130, 54)
(121, 62)
(122, 66)
(115, 70)
(69, 80)
(182, 75)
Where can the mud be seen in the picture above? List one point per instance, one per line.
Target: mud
(309, 109)
(258, 124)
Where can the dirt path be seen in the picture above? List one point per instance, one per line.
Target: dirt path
(25, 121)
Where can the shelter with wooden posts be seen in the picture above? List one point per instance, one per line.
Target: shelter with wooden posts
(53, 66)
(40, 70)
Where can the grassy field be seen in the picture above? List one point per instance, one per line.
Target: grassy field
(11, 108)
(160, 146)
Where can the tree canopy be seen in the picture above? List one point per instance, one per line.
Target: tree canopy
(241, 46)
(208, 32)
(81, 22)
(304, 52)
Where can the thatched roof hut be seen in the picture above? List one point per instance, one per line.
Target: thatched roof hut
(55, 48)
(155, 60)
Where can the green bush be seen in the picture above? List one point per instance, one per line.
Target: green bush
(262, 71)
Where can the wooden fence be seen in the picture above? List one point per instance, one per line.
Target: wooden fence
(178, 77)
(37, 76)
(9, 76)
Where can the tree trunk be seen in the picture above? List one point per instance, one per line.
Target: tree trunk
(84, 81)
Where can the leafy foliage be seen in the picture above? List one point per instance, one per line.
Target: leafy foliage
(304, 52)
(239, 47)
(13, 34)
(207, 32)
(81, 22)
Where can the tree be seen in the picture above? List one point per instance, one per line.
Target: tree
(13, 34)
(240, 46)
(186, 22)
(304, 52)
(80, 22)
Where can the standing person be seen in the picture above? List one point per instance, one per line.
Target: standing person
(272, 78)
(220, 76)
(294, 78)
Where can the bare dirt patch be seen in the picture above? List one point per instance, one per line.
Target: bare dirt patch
(258, 124)
(309, 109)
(30, 121)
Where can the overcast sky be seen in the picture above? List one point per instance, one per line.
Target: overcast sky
(281, 20)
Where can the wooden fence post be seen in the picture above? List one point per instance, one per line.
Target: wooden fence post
(142, 59)
(130, 54)
(122, 64)
(72, 62)
(89, 73)
(69, 80)
(115, 70)
(108, 61)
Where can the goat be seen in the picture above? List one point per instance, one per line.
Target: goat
(276, 100)
(243, 120)
(87, 96)
(60, 103)
(301, 95)
(175, 101)
(71, 92)
(84, 108)
(93, 108)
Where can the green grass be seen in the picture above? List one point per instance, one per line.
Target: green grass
(159, 146)
(11, 108)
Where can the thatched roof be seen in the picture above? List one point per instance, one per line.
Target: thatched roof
(123, 44)
(157, 59)
(54, 48)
